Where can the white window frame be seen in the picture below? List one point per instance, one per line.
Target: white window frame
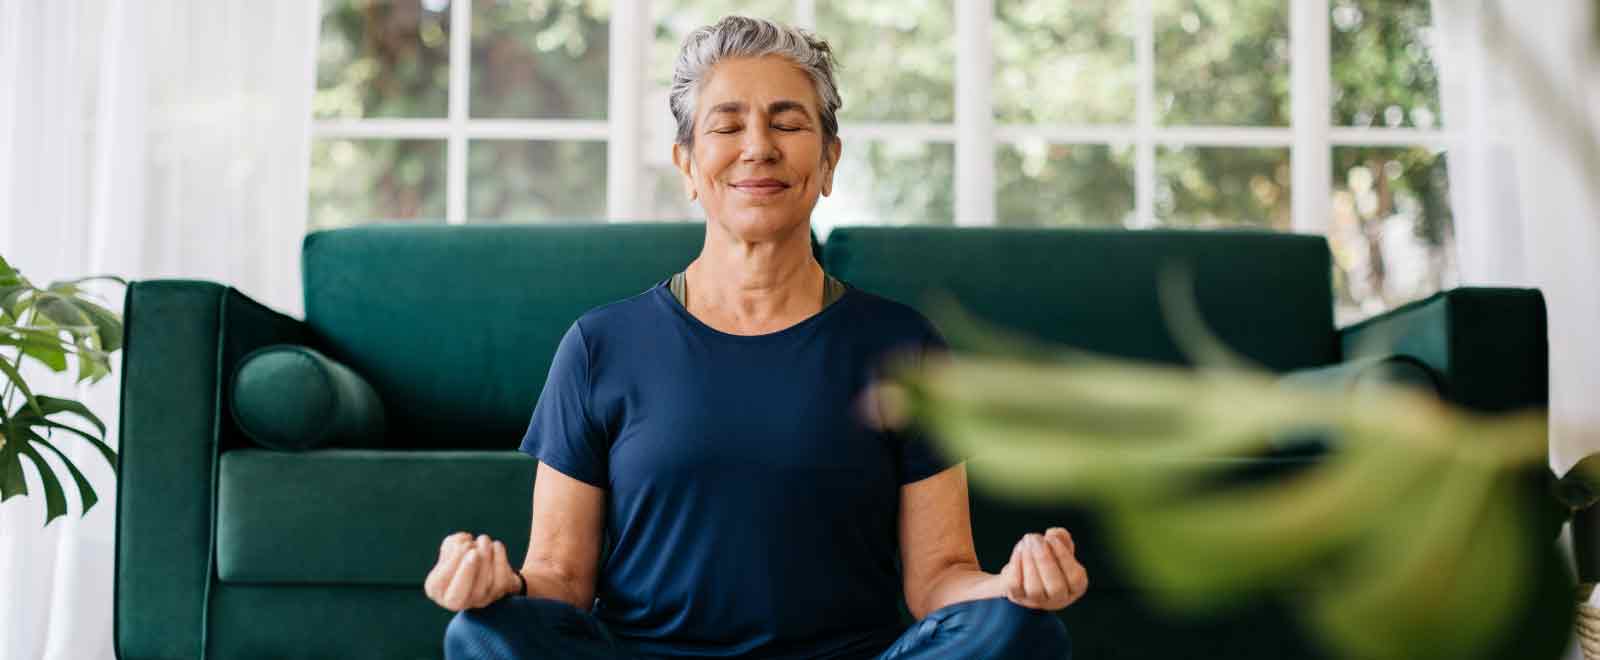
(1310, 137)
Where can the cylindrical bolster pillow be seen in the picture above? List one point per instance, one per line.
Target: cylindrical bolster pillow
(1352, 376)
(293, 398)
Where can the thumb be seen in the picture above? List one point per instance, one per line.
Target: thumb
(505, 570)
(1011, 576)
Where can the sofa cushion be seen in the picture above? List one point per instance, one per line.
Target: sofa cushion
(363, 516)
(1268, 295)
(292, 398)
(323, 621)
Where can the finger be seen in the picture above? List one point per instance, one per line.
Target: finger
(1014, 578)
(1031, 585)
(1062, 534)
(450, 554)
(1079, 577)
(1050, 571)
(1066, 559)
(488, 574)
(458, 595)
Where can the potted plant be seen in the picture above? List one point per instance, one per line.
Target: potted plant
(53, 326)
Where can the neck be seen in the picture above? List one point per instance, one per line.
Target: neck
(750, 282)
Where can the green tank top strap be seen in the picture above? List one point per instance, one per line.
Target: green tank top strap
(832, 289)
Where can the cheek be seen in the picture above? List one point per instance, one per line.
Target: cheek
(805, 153)
(713, 160)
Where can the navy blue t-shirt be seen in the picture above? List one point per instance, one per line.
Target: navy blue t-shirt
(749, 509)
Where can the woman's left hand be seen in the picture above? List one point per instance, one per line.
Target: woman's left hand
(1044, 573)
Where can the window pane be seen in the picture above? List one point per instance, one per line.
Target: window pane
(1222, 62)
(539, 59)
(1068, 62)
(528, 181)
(665, 197)
(384, 58)
(675, 19)
(1041, 184)
(1383, 71)
(1222, 187)
(1391, 232)
(890, 183)
(897, 60)
(361, 181)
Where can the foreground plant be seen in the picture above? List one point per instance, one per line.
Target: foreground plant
(1424, 531)
(47, 326)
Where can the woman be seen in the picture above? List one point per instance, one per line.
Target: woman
(707, 430)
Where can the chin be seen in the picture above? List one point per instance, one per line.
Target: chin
(764, 222)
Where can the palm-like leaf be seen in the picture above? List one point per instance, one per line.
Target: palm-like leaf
(1414, 537)
(49, 326)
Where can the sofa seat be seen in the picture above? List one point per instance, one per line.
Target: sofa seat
(360, 516)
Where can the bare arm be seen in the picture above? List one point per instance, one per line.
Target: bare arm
(564, 542)
(563, 552)
(938, 563)
(940, 566)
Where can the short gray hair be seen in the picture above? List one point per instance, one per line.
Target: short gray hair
(740, 36)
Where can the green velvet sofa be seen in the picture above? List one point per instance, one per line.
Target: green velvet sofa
(228, 550)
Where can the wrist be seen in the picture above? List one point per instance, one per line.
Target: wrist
(522, 583)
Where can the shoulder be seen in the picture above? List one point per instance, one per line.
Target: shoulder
(898, 320)
(618, 316)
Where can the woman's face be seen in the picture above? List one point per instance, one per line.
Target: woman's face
(758, 162)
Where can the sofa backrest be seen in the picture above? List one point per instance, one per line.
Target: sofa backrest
(1266, 295)
(455, 326)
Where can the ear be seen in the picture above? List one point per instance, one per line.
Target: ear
(830, 163)
(683, 159)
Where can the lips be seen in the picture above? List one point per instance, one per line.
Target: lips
(761, 186)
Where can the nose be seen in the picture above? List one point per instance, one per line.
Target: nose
(758, 146)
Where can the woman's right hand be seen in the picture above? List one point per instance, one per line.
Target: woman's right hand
(471, 573)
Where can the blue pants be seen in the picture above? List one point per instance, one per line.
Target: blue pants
(519, 628)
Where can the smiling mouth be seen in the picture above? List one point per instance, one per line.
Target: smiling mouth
(761, 187)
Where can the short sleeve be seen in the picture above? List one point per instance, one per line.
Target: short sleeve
(920, 455)
(562, 434)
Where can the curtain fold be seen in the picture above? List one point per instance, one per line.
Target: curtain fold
(1520, 87)
(146, 139)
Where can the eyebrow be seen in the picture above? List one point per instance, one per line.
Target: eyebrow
(776, 107)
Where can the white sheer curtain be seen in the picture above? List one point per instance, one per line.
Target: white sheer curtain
(1521, 82)
(143, 138)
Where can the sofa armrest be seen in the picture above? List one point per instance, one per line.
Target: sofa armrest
(1487, 345)
(183, 338)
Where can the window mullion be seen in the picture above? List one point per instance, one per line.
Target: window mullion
(1311, 158)
(455, 191)
(630, 29)
(805, 14)
(975, 145)
(1144, 45)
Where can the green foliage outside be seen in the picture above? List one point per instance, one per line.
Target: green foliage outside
(1217, 62)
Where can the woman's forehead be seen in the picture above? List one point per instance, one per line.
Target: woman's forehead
(771, 83)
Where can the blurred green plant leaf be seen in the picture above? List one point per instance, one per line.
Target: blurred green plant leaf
(1579, 488)
(1409, 539)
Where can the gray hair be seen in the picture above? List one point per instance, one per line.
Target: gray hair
(740, 36)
